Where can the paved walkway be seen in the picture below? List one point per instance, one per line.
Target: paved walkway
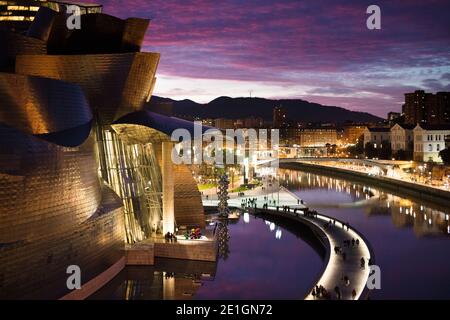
(343, 165)
(336, 267)
(283, 197)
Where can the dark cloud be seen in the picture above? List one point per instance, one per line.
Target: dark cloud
(278, 41)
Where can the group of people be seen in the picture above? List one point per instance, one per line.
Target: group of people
(345, 225)
(319, 292)
(311, 213)
(250, 202)
(353, 242)
(284, 208)
(170, 237)
(193, 234)
(329, 224)
(347, 243)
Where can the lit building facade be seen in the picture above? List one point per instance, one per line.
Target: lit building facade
(317, 136)
(82, 165)
(352, 132)
(377, 137)
(429, 140)
(402, 137)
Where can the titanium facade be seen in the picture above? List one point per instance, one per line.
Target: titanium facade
(77, 181)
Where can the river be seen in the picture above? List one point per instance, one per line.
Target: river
(410, 238)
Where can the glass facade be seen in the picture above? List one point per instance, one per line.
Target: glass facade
(133, 173)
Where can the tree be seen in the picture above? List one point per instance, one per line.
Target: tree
(358, 148)
(401, 155)
(386, 151)
(370, 151)
(445, 156)
(223, 197)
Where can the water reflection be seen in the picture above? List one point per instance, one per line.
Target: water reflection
(258, 259)
(425, 219)
(409, 237)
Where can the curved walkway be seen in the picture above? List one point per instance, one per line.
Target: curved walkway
(336, 267)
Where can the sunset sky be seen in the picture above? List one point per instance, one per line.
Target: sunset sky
(319, 50)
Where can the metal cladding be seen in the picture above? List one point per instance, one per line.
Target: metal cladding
(188, 208)
(188, 205)
(58, 110)
(99, 33)
(115, 84)
(53, 213)
(13, 44)
(44, 106)
(39, 177)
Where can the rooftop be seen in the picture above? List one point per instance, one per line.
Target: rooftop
(383, 129)
(434, 127)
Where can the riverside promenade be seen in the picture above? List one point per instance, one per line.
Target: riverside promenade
(426, 192)
(332, 236)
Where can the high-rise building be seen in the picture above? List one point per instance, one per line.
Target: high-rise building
(443, 106)
(426, 108)
(393, 117)
(280, 117)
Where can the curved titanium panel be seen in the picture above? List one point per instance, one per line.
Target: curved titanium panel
(45, 107)
(188, 204)
(99, 33)
(44, 188)
(42, 24)
(115, 84)
(53, 213)
(13, 44)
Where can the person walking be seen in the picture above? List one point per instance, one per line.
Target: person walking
(363, 263)
(338, 292)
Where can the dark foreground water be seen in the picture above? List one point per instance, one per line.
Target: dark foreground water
(261, 260)
(410, 238)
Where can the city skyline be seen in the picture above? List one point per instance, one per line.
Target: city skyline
(321, 52)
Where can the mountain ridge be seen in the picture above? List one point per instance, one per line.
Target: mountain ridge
(243, 107)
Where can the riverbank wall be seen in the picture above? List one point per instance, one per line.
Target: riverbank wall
(434, 195)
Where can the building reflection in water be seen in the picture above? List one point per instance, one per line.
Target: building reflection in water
(425, 218)
(173, 279)
(168, 279)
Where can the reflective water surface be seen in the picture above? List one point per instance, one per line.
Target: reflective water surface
(274, 260)
(260, 260)
(410, 238)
